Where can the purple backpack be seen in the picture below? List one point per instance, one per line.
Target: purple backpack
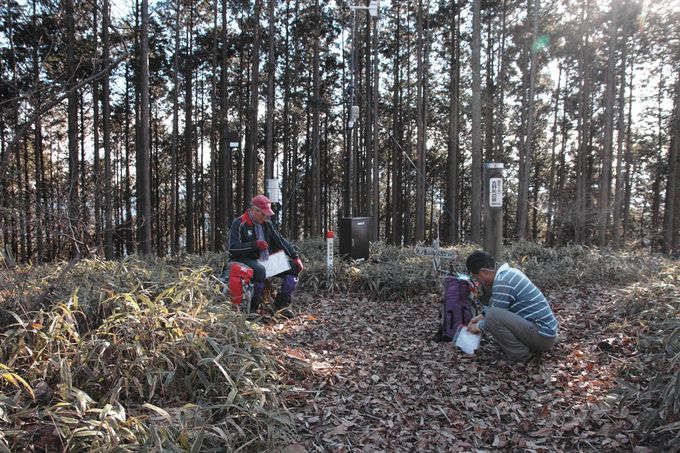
(457, 308)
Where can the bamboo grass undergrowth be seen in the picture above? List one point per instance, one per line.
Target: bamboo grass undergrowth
(136, 355)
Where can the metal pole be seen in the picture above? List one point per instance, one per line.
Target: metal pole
(353, 118)
(354, 111)
(493, 210)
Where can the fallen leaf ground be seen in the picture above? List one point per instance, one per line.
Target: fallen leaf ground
(367, 376)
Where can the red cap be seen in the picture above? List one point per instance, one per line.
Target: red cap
(263, 203)
(329, 234)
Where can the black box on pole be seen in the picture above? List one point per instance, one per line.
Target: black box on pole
(354, 237)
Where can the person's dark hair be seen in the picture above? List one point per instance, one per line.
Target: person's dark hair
(479, 259)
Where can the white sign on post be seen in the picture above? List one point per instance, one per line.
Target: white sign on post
(273, 190)
(329, 251)
(495, 192)
(329, 259)
(436, 259)
(435, 251)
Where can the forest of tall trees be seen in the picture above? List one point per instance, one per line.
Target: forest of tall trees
(146, 127)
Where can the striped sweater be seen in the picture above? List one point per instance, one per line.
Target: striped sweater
(512, 290)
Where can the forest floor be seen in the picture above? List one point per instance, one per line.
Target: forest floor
(367, 376)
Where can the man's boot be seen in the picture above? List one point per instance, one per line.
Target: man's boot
(258, 289)
(281, 305)
(255, 304)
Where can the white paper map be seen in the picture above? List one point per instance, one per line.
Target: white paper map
(278, 262)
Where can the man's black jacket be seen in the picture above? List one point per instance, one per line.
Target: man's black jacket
(242, 239)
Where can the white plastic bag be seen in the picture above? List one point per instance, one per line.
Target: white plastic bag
(467, 341)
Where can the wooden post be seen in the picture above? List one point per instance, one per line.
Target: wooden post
(493, 210)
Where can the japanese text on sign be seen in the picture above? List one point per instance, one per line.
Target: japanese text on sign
(495, 192)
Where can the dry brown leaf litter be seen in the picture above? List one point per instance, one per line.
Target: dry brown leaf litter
(366, 376)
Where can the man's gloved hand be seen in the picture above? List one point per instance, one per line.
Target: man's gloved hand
(262, 245)
(298, 263)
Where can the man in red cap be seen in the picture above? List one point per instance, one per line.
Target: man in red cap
(253, 236)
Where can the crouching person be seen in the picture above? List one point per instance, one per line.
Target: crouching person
(519, 317)
(253, 237)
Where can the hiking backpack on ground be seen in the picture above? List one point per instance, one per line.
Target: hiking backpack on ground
(239, 277)
(457, 307)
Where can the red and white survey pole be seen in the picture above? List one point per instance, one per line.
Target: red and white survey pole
(329, 258)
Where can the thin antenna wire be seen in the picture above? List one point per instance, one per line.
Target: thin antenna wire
(371, 110)
(405, 153)
(298, 180)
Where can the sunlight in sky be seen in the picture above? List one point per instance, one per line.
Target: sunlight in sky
(643, 15)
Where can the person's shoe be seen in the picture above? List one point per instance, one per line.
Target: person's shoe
(535, 358)
(253, 316)
(254, 304)
(281, 304)
(285, 312)
(267, 310)
(439, 337)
